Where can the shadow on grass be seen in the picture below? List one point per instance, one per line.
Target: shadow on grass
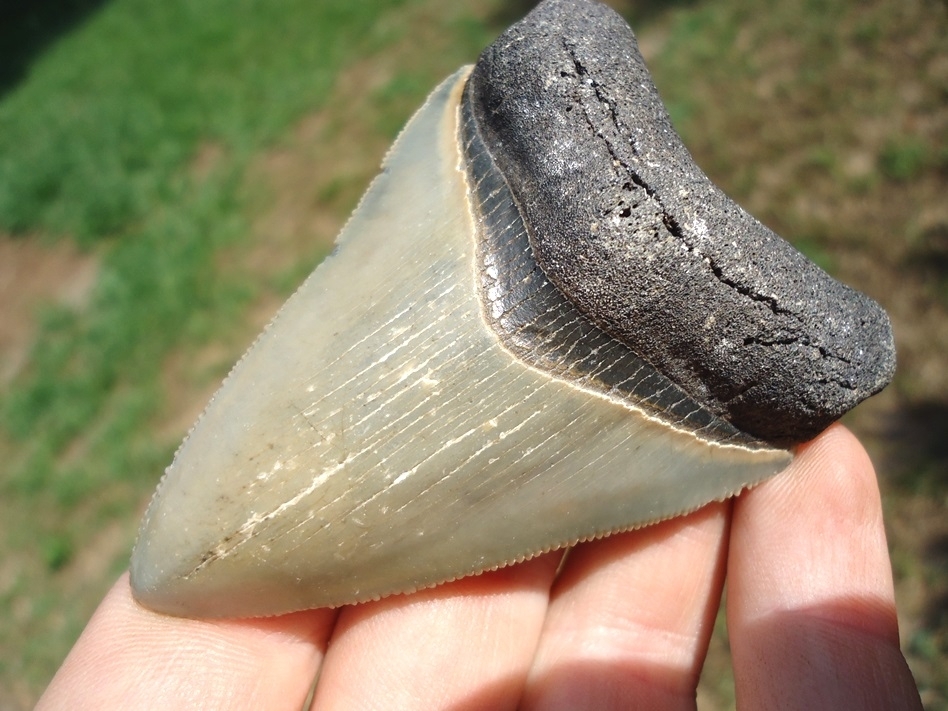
(28, 27)
(918, 459)
(936, 610)
(928, 257)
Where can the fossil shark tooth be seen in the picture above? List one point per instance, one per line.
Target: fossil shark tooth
(542, 324)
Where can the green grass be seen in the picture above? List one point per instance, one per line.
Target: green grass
(112, 112)
(903, 158)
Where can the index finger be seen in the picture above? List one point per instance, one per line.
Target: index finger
(811, 603)
(130, 657)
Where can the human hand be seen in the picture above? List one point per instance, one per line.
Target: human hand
(625, 624)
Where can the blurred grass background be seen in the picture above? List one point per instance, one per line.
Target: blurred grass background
(169, 172)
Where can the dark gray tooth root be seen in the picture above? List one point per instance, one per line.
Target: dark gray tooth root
(536, 321)
(638, 239)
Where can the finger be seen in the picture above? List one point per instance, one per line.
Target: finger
(630, 618)
(464, 645)
(131, 658)
(811, 608)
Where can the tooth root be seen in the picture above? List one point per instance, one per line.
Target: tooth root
(675, 269)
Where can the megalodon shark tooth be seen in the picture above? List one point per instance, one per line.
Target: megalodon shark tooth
(543, 324)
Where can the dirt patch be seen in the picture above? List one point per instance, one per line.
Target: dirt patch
(33, 274)
(316, 175)
(207, 159)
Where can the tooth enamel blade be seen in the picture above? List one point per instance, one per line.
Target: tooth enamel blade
(379, 437)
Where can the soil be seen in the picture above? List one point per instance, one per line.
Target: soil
(34, 275)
